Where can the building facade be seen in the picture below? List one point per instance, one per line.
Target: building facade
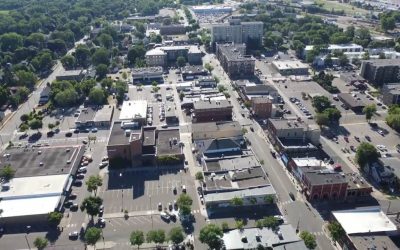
(233, 60)
(381, 71)
(212, 111)
(391, 94)
(237, 32)
(261, 107)
(162, 56)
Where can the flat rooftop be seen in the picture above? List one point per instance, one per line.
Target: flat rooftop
(104, 114)
(119, 136)
(30, 187)
(369, 220)
(212, 105)
(285, 65)
(320, 177)
(87, 114)
(233, 164)
(287, 124)
(383, 62)
(236, 179)
(149, 136)
(250, 192)
(133, 110)
(29, 206)
(26, 162)
(233, 52)
(168, 142)
(194, 69)
(375, 241)
(202, 130)
(309, 162)
(70, 72)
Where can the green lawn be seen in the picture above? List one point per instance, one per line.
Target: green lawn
(347, 8)
(4, 12)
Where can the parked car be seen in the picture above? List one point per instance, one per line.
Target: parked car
(103, 164)
(73, 235)
(165, 216)
(292, 196)
(78, 183)
(82, 170)
(72, 196)
(279, 218)
(68, 134)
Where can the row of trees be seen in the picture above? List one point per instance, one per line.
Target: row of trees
(175, 235)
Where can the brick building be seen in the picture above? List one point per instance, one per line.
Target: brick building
(261, 107)
(323, 185)
(212, 111)
(234, 60)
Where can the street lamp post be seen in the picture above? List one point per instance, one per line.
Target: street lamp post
(151, 213)
(122, 196)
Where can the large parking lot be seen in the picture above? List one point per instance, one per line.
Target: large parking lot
(143, 191)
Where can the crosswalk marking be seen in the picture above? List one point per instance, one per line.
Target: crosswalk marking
(317, 233)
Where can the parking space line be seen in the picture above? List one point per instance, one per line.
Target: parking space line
(116, 222)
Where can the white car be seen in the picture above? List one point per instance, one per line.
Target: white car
(103, 164)
(94, 130)
(73, 235)
(82, 170)
(381, 147)
(164, 126)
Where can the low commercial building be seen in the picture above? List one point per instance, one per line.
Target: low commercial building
(71, 75)
(323, 184)
(42, 181)
(234, 60)
(147, 74)
(191, 72)
(134, 111)
(283, 237)
(381, 71)
(99, 117)
(248, 92)
(162, 56)
(215, 130)
(292, 135)
(373, 229)
(208, 111)
(391, 94)
(349, 101)
(216, 148)
(336, 48)
(385, 172)
(205, 82)
(132, 145)
(287, 68)
(231, 164)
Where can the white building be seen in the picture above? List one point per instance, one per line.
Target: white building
(332, 48)
(134, 111)
(161, 56)
(237, 32)
(29, 199)
(211, 9)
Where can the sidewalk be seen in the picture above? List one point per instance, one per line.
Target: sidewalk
(131, 214)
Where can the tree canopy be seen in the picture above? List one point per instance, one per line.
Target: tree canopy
(137, 238)
(211, 235)
(309, 239)
(366, 153)
(92, 235)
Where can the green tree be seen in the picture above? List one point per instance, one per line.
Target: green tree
(92, 205)
(82, 55)
(269, 199)
(40, 243)
(24, 117)
(334, 114)
(68, 61)
(208, 67)
(237, 201)
(92, 235)
(322, 119)
(121, 88)
(387, 22)
(184, 199)
(93, 183)
(97, 96)
(365, 56)
(136, 52)
(54, 218)
(105, 40)
(309, 239)
(137, 238)
(66, 98)
(101, 70)
(270, 222)
(35, 124)
(176, 235)
(124, 75)
(320, 103)
(180, 61)
(7, 172)
(240, 223)
(225, 226)
(156, 236)
(26, 78)
(336, 231)
(199, 176)
(101, 56)
(211, 235)
(10, 41)
(369, 111)
(366, 153)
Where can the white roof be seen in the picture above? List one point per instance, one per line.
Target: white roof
(155, 52)
(31, 206)
(37, 186)
(295, 64)
(364, 220)
(245, 193)
(344, 46)
(309, 162)
(133, 110)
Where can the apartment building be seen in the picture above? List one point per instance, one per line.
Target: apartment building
(162, 56)
(237, 32)
(381, 71)
(233, 60)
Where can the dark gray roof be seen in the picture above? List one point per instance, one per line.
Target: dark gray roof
(163, 142)
(87, 114)
(149, 136)
(118, 135)
(259, 89)
(211, 104)
(320, 177)
(219, 144)
(349, 100)
(202, 130)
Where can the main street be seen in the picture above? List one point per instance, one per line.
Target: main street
(298, 213)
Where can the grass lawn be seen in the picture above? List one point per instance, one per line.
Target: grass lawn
(4, 12)
(347, 8)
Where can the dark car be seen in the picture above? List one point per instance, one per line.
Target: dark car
(50, 134)
(292, 196)
(373, 124)
(68, 134)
